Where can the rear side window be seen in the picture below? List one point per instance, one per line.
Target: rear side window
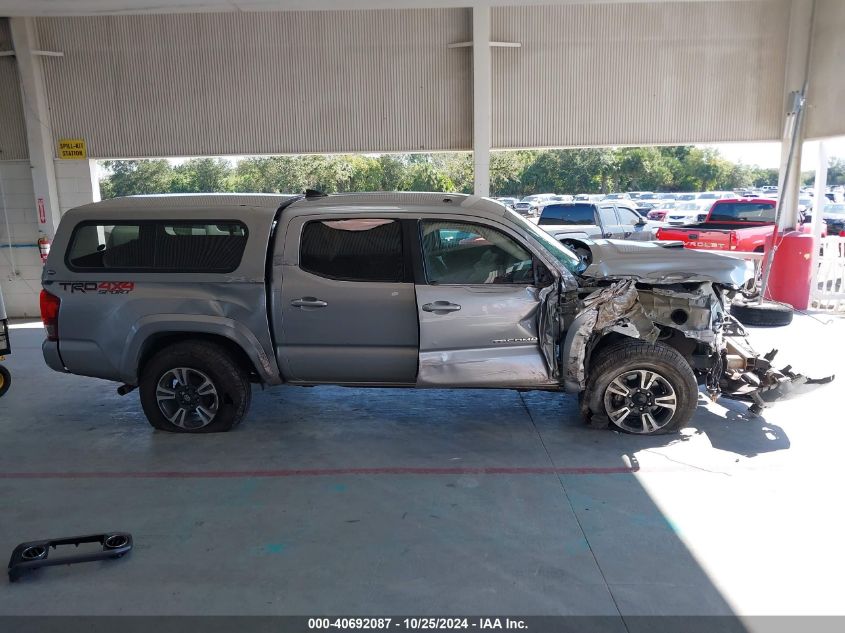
(608, 216)
(353, 250)
(626, 216)
(158, 246)
(568, 214)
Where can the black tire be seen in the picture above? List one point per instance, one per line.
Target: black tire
(231, 384)
(766, 314)
(675, 385)
(5, 380)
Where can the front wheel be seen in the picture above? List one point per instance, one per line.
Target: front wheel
(194, 387)
(5, 380)
(641, 388)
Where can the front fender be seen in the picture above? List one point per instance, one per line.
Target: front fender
(146, 327)
(615, 308)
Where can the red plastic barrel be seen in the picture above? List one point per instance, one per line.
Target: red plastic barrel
(792, 269)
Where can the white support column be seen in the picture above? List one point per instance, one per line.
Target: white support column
(39, 132)
(482, 95)
(797, 71)
(818, 196)
(817, 222)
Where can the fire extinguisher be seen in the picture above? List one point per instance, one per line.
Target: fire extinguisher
(44, 247)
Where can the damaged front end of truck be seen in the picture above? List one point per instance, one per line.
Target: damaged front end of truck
(641, 292)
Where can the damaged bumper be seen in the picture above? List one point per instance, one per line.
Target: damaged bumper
(750, 377)
(693, 319)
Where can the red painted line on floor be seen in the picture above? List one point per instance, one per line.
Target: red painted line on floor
(320, 472)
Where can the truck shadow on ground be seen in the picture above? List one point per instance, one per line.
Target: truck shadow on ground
(736, 430)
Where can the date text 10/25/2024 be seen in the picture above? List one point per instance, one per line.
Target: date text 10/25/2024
(417, 624)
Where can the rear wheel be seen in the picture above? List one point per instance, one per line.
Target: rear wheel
(642, 388)
(194, 387)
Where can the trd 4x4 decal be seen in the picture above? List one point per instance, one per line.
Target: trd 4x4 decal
(99, 287)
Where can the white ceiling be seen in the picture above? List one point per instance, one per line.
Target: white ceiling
(14, 8)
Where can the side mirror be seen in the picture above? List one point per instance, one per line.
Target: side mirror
(642, 222)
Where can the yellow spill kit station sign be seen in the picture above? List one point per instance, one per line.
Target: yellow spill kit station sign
(72, 148)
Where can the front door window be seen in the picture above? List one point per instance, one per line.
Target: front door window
(464, 253)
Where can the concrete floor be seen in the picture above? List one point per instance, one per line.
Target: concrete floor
(339, 501)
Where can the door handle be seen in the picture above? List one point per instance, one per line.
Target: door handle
(441, 307)
(628, 233)
(607, 234)
(308, 302)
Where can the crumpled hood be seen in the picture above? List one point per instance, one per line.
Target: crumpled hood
(663, 263)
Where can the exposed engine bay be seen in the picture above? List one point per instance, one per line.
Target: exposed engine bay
(690, 315)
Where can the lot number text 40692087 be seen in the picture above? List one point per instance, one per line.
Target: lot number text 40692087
(417, 624)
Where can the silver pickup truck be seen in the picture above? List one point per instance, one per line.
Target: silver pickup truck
(573, 222)
(191, 298)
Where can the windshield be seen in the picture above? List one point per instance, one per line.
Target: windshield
(686, 196)
(614, 196)
(743, 212)
(835, 209)
(708, 196)
(566, 257)
(568, 214)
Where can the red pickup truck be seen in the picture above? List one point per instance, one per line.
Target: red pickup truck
(741, 224)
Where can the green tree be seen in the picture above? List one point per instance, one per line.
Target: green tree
(424, 176)
(836, 171)
(517, 172)
(202, 175)
(134, 177)
(506, 171)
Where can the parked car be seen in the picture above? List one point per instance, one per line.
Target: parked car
(648, 199)
(531, 205)
(805, 205)
(732, 225)
(526, 206)
(688, 212)
(659, 212)
(508, 201)
(636, 195)
(571, 222)
(617, 196)
(192, 298)
(644, 206)
(834, 218)
(716, 195)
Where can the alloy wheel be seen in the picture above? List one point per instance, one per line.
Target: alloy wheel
(187, 398)
(640, 401)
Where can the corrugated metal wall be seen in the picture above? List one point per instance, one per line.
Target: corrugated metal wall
(639, 73)
(384, 80)
(12, 127)
(826, 114)
(235, 83)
